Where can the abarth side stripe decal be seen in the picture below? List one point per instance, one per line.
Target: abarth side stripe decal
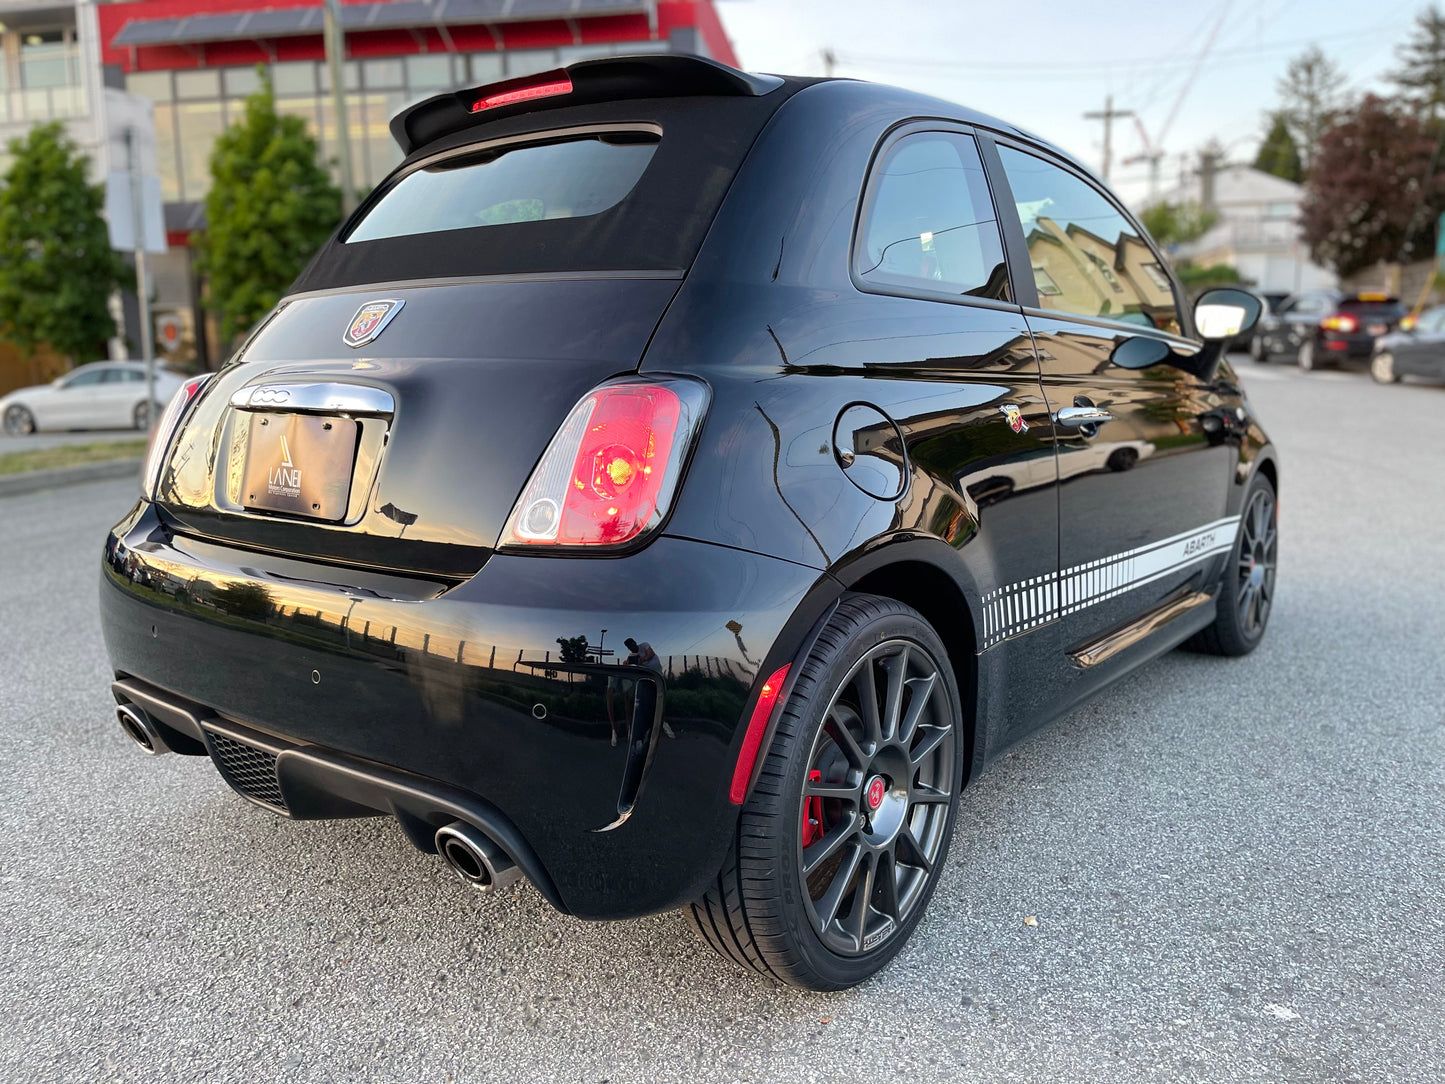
(1027, 604)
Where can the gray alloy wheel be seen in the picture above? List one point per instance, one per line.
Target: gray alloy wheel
(1382, 368)
(141, 416)
(1247, 584)
(1257, 350)
(843, 839)
(1307, 355)
(19, 421)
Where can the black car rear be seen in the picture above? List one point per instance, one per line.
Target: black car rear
(1328, 327)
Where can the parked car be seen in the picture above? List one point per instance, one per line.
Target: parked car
(1271, 300)
(596, 504)
(1416, 348)
(100, 395)
(1327, 327)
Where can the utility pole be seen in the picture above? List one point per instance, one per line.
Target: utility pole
(1108, 116)
(335, 38)
(142, 281)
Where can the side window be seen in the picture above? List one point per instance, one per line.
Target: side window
(1087, 259)
(131, 376)
(930, 222)
(1311, 304)
(90, 376)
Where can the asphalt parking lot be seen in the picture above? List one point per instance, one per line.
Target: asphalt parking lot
(1235, 866)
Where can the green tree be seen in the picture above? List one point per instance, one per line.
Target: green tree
(271, 205)
(1278, 153)
(1312, 95)
(1177, 223)
(1421, 74)
(57, 269)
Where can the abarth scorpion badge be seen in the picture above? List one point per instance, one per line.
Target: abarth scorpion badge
(1015, 419)
(370, 321)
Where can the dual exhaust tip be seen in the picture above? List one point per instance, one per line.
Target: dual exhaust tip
(475, 857)
(472, 854)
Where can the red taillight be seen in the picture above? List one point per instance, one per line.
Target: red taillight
(1348, 324)
(753, 738)
(610, 472)
(551, 88)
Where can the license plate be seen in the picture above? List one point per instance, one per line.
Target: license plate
(299, 464)
(1377, 329)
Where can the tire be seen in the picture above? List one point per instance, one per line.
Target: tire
(141, 416)
(1307, 356)
(875, 807)
(1247, 586)
(1257, 350)
(1382, 368)
(19, 421)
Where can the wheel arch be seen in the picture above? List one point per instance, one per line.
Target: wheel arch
(927, 574)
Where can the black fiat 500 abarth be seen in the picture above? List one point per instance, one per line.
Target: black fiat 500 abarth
(673, 486)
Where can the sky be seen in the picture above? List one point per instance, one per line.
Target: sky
(1190, 71)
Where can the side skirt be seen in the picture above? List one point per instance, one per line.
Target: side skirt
(1105, 647)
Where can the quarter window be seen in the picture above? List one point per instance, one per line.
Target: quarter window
(930, 223)
(1093, 260)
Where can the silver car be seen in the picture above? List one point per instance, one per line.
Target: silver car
(101, 395)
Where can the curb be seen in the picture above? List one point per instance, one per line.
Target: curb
(33, 481)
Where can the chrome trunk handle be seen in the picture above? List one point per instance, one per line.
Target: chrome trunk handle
(316, 398)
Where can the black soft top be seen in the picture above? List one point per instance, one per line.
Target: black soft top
(709, 114)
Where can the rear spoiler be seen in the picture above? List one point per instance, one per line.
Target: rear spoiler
(660, 75)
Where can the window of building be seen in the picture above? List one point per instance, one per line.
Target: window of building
(430, 72)
(1097, 261)
(383, 74)
(241, 82)
(48, 58)
(930, 221)
(486, 68)
(198, 84)
(298, 77)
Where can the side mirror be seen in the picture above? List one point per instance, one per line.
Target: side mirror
(1224, 314)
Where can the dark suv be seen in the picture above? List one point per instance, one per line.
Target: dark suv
(1324, 327)
(673, 486)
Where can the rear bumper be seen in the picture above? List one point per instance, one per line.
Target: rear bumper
(1340, 346)
(434, 703)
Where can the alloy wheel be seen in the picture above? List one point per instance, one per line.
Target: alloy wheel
(875, 803)
(18, 421)
(1258, 552)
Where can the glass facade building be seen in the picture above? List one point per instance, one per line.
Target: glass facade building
(193, 107)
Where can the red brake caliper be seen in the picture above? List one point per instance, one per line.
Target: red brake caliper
(813, 813)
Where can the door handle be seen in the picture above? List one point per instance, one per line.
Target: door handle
(1076, 416)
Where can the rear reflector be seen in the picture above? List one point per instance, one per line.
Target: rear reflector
(549, 89)
(753, 738)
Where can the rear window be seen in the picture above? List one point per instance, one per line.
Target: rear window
(572, 178)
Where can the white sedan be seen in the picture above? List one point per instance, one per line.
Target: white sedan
(101, 395)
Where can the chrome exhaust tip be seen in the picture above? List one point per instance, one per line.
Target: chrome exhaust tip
(140, 729)
(475, 857)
